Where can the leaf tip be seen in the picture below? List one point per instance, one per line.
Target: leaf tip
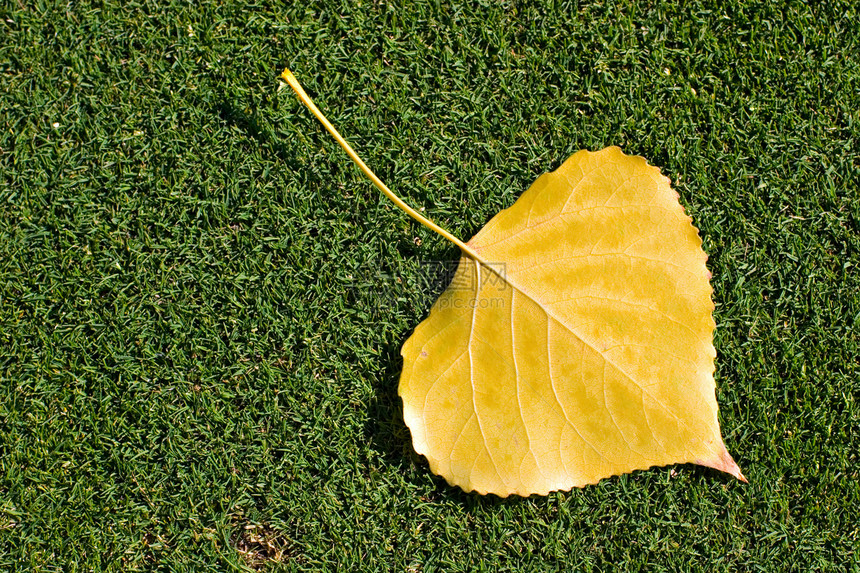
(724, 463)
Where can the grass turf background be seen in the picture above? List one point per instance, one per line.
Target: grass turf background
(192, 376)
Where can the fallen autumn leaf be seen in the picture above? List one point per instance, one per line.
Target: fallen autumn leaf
(575, 340)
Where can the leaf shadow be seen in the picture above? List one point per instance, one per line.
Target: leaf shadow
(254, 127)
(385, 428)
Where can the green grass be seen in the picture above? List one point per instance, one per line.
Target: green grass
(193, 376)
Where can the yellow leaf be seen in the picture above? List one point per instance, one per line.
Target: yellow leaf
(575, 340)
(584, 350)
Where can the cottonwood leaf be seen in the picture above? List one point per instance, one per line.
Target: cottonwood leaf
(582, 350)
(575, 340)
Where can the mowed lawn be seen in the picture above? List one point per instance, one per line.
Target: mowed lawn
(202, 301)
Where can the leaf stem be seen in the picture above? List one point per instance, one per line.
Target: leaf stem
(288, 76)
